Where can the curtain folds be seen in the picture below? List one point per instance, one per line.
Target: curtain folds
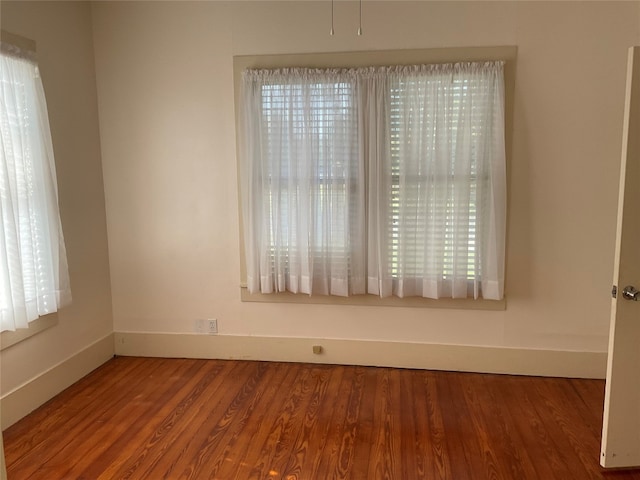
(304, 198)
(34, 279)
(381, 180)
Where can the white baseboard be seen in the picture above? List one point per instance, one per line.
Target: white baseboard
(515, 361)
(23, 400)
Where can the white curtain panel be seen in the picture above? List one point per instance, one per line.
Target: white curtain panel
(437, 192)
(384, 180)
(303, 186)
(34, 279)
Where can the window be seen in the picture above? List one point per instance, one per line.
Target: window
(447, 163)
(33, 268)
(308, 185)
(381, 180)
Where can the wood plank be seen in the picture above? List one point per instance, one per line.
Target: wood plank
(434, 439)
(50, 417)
(133, 416)
(174, 413)
(156, 445)
(504, 416)
(259, 443)
(367, 425)
(77, 422)
(384, 461)
(139, 418)
(333, 428)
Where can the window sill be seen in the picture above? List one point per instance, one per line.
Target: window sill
(373, 300)
(8, 338)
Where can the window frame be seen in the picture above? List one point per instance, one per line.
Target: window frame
(362, 59)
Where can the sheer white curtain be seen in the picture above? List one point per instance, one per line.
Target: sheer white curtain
(34, 277)
(303, 192)
(389, 180)
(437, 191)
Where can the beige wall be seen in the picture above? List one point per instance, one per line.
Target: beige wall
(63, 35)
(165, 94)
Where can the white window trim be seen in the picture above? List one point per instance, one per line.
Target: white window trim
(378, 58)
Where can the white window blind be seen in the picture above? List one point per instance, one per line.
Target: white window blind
(415, 198)
(33, 268)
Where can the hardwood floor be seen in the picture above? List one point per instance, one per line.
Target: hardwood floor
(137, 418)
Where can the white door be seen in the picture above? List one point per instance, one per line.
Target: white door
(621, 423)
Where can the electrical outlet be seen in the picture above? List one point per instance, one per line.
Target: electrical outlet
(212, 325)
(206, 325)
